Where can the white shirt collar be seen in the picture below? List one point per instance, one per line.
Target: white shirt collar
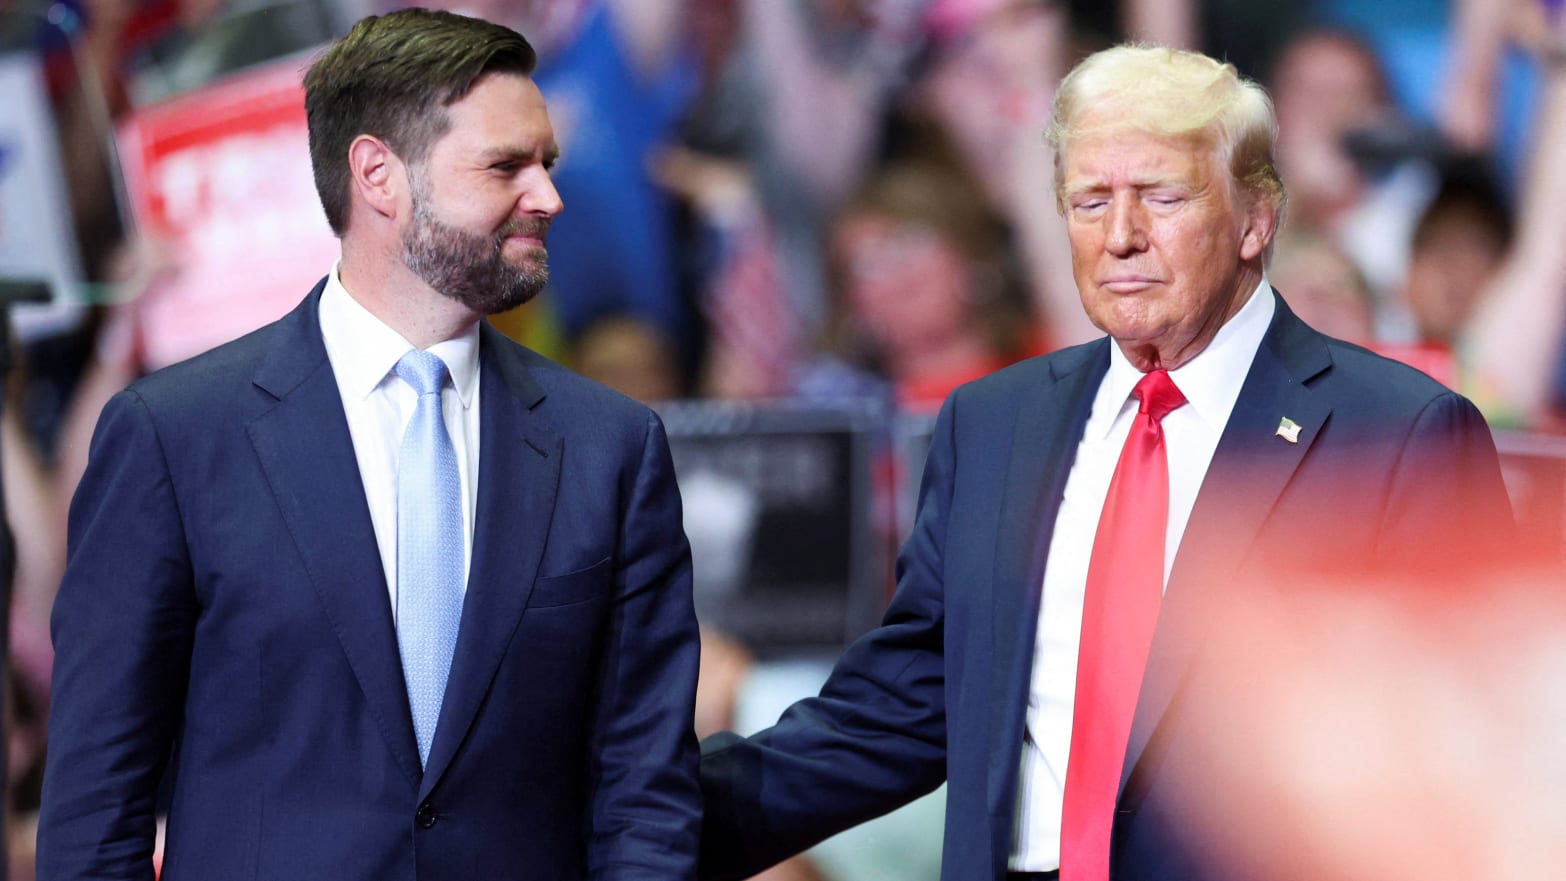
(1212, 380)
(369, 348)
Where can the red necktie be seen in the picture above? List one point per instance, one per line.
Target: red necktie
(1119, 612)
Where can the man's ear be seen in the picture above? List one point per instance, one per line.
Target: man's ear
(1261, 225)
(376, 175)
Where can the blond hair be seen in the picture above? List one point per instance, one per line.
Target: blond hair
(1173, 93)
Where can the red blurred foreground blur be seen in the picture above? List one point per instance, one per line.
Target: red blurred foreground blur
(1381, 729)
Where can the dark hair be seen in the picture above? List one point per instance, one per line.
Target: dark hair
(391, 77)
(1468, 194)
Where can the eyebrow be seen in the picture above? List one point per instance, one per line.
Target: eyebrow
(1146, 183)
(1069, 190)
(548, 157)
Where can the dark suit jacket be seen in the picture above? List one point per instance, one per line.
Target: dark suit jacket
(939, 692)
(225, 606)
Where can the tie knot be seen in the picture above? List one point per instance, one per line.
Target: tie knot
(1158, 394)
(422, 370)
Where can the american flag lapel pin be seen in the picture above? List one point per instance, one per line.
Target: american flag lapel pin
(1289, 430)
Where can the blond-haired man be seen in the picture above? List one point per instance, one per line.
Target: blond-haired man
(1085, 515)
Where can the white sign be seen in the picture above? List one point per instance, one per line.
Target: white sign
(37, 241)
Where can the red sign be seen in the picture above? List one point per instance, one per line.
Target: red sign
(223, 175)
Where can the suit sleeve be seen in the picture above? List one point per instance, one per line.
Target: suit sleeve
(122, 628)
(1447, 504)
(645, 804)
(871, 741)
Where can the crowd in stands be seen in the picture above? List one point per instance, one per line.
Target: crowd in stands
(820, 200)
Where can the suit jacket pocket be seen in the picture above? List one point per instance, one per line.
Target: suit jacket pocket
(581, 586)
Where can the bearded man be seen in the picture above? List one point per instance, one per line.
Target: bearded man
(374, 592)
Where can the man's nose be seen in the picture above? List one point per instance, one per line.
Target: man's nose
(539, 196)
(1125, 234)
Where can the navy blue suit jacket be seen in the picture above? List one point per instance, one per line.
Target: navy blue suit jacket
(225, 615)
(1384, 458)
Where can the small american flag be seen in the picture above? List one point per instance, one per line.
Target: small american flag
(755, 331)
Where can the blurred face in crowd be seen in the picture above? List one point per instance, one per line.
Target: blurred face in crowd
(1448, 271)
(1324, 87)
(631, 357)
(993, 82)
(906, 285)
(1322, 287)
(1163, 247)
(483, 199)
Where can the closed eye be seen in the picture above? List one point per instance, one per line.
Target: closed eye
(1089, 206)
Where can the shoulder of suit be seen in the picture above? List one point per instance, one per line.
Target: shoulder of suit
(218, 373)
(1376, 380)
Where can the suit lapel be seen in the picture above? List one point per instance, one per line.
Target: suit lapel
(1043, 446)
(519, 472)
(1249, 471)
(307, 454)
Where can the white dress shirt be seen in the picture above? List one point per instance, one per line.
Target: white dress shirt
(1211, 383)
(363, 350)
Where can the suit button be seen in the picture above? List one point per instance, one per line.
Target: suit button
(426, 816)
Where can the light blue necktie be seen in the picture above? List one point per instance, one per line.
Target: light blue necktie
(429, 547)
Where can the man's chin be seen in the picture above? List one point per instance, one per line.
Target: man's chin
(525, 255)
(520, 292)
(514, 299)
(498, 296)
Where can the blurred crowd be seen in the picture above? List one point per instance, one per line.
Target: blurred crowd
(829, 200)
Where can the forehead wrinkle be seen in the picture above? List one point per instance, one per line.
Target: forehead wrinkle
(1100, 182)
(1150, 163)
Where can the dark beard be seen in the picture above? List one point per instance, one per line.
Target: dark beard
(469, 268)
